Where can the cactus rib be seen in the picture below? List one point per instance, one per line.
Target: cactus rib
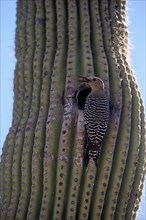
(17, 110)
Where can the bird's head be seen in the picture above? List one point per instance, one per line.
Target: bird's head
(94, 82)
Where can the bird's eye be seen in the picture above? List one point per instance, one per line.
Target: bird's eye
(94, 79)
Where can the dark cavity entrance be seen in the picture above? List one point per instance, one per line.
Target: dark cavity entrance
(81, 95)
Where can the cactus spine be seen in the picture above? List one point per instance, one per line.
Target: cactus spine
(42, 169)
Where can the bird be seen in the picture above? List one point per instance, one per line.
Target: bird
(96, 117)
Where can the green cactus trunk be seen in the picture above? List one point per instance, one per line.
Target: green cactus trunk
(42, 165)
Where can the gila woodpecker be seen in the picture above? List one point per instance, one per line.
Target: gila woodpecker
(96, 115)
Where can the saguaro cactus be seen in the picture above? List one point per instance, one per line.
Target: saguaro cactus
(42, 169)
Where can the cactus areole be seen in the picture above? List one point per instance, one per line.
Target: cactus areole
(42, 169)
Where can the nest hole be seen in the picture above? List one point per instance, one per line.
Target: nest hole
(81, 95)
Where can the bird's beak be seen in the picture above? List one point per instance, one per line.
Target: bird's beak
(84, 79)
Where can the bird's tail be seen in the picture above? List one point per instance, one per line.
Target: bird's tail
(93, 154)
(92, 151)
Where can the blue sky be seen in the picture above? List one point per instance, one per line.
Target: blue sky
(137, 33)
